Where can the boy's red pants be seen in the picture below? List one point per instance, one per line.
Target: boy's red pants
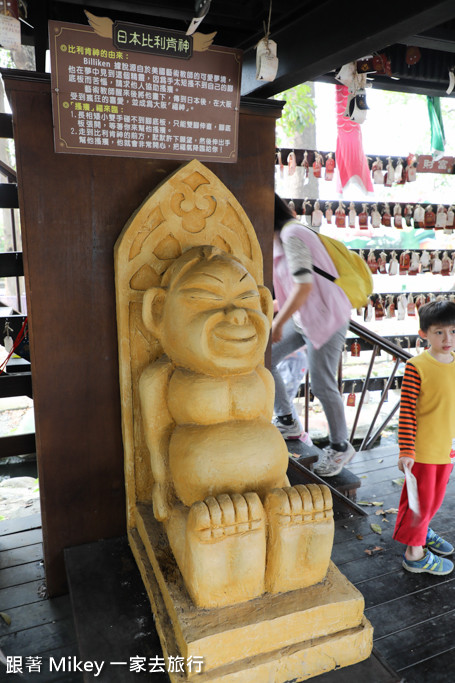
(432, 482)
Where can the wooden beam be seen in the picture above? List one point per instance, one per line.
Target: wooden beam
(169, 9)
(404, 85)
(19, 444)
(435, 39)
(409, 85)
(306, 53)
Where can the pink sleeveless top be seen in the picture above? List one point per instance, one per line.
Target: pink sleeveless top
(327, 308)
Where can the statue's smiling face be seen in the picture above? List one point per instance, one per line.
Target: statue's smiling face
(213, 320)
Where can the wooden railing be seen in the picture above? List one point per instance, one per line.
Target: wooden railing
(17, 379)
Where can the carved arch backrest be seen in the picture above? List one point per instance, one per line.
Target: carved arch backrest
(190, 208)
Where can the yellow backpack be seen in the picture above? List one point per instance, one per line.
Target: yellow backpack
(354, 275)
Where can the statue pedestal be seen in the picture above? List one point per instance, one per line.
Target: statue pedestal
(282, 637)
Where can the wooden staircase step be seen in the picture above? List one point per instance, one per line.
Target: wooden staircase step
(18, 365)
(8, 196)
(11, 264)
(16, 384)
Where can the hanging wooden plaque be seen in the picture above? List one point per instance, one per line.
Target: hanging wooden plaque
(426, 164)
(117, 102)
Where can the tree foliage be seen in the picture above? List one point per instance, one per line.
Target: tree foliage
(298, 112)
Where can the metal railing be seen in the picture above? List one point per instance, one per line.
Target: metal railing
(373, 341)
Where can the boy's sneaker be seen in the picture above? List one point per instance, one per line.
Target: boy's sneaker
(429, 564)
(437, 544)
(289, 431)
(333, 461)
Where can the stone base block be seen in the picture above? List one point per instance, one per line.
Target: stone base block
(282, 637)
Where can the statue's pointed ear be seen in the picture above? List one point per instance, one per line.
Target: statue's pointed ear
(266, 302)
(152, 309)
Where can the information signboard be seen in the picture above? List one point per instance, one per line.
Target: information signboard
(112, 101)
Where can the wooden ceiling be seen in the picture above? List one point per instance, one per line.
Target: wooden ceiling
(314, 37)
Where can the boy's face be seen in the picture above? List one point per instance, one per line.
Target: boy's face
(441, 339)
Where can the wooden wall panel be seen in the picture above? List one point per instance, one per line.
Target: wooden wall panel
(73, 208)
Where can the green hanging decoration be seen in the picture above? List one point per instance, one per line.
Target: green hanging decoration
(437, 128)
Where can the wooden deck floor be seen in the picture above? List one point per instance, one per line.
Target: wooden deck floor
(39, 627)
(413, 615)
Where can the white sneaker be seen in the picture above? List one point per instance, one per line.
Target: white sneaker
(333, 461)
(292, 431)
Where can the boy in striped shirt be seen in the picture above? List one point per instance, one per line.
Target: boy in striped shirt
(426, 438)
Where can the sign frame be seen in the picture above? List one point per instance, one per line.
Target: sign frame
(194, 118)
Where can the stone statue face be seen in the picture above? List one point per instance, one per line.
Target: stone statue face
(213, 319)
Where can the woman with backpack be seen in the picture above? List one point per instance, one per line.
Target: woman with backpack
(312, 311)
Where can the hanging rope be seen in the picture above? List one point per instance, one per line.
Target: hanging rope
(267, 28)
(17, 342)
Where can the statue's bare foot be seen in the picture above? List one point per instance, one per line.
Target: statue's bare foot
(225, 549)
(300, 536)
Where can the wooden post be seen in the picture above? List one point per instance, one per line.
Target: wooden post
(73, 207)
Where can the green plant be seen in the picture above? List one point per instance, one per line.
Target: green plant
(298, 112)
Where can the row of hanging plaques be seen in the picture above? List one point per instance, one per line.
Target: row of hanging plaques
(410, 262)
(377, 384)
(399, 306)
(353, 386)
(411, 215)
(354, 345)
(324, 167)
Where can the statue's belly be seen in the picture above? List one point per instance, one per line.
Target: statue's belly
(232, 457)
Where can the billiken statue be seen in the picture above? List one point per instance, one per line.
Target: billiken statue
(235, 526)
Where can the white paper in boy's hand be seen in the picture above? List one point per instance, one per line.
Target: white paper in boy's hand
(413, 496)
